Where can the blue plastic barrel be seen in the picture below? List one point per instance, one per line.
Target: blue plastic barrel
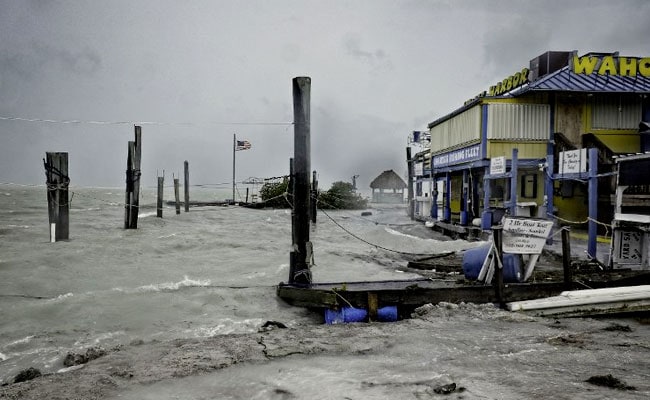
(473, 261)
(351, 314)
(345, 315)
(387, 314)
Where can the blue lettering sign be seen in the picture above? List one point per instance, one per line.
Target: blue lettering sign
(459, 156)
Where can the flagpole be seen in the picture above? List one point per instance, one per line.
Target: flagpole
(234, 146)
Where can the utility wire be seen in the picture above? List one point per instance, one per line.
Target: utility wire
(90, 122)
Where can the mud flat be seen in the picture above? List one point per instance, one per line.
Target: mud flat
(458, 351)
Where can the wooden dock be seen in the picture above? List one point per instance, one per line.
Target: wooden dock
(410, 294)
(407, 294)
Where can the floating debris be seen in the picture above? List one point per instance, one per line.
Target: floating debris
(72, 359)
(609, 381)
(27, 375)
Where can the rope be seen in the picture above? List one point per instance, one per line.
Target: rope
(606, 226)
(372, 244)
(356, 216)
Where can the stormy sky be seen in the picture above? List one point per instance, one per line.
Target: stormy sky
(202, 71)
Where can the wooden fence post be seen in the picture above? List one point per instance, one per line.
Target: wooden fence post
(187, 186)
(133, 173)
(566, 258)
(177, 196)
(58, 206)
(159, 203)
(299, 271)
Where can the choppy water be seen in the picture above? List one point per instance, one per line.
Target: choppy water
(208, 272)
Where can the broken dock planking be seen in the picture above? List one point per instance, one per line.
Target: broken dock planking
(410, 294)
(407, 294)
(589, 302)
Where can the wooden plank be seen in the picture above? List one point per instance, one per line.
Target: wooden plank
(408, 293)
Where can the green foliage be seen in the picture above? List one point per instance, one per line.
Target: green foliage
(272, 194)
(341, 196)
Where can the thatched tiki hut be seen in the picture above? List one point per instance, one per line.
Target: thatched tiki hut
(388, 181)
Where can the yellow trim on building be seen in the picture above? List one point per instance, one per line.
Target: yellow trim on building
(525, 149)
(626, 143)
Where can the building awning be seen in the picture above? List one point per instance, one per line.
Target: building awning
(565, 80)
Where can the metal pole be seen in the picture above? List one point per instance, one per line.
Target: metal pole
(513, 182)
(409, 164)
(593, 203)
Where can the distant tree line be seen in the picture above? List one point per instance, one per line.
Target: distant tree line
(341, 195)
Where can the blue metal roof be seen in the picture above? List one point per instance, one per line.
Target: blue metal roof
(566, 80)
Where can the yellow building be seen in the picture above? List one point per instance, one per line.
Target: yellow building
(514, 147)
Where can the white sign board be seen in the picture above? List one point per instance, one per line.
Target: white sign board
(525, 235)
(573, 161)
(419, 169)
(498, 165)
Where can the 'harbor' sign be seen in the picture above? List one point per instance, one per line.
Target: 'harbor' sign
(525, 235)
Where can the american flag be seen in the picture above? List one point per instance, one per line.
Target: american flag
(243, 145)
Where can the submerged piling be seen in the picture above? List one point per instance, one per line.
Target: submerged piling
(132, 196)
(299, 270)
(58, 206)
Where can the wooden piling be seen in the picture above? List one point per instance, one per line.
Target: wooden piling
(566, 258)
(177, 197)
(187, 186)
(299, 271)
(497, 235)
(373, 305)
(133, 173)
(290, 198)
(159, 203)
(58, 206)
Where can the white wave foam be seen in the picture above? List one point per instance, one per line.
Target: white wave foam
(61, 297)
(147, 214)
(228, 326)
(3, 357)
(99, 338)
(24, 340)
(167, 286)
(396, 233)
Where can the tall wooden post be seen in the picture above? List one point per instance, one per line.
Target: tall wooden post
(132, 200)
(177, 196)
(159, 202)
(299, 270)
(58, 206)
(497, 233)
(187, 186)
(314, 197)
(409, 165)
(566, 258)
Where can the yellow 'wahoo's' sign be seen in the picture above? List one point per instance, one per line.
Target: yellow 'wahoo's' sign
(611, 65)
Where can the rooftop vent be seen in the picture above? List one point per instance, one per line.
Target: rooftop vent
(548, 62)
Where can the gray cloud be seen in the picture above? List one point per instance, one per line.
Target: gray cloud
(376, 58)
(379, 69)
